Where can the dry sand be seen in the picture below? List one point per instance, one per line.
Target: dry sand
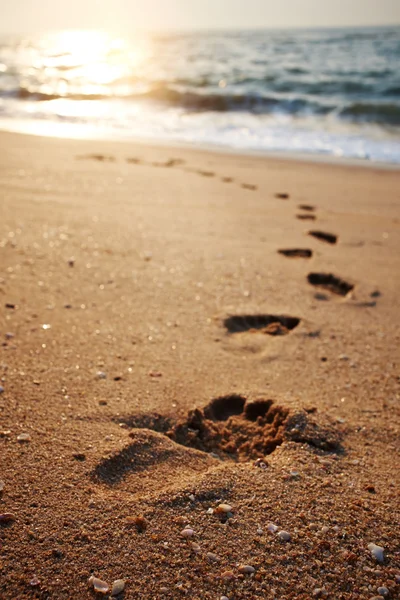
(137, 288)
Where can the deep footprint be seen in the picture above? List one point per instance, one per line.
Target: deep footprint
(282, 196)
(297, 252)
(306, 217)
(330, 282)
(330, 238)
(268, 324)
(238, 430)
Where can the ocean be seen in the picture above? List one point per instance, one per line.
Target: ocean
(332, 92)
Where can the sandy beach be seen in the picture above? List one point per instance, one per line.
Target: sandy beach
(199, 374)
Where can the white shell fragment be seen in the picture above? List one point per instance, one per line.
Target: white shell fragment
(118, 587)
(377, 552)
(98, 585)
(272, 528)
(24, 437)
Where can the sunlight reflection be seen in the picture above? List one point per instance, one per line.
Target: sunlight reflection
(83, 64)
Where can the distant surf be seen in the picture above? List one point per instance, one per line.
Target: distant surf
(332, 92)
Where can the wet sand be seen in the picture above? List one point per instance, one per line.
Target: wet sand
(166, 321)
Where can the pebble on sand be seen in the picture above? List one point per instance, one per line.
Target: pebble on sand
(377, 552)
(24, 437)
(383, 591)
(2, 484)
(246, 569)
(98, 585)
(101, 375)
(118, 587)
(284, 536)
(1, 389)
(187, 532)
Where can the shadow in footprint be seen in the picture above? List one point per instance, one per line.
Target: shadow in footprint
(227, 179)
(249, 186)
(268, 324)
(282, 196)
(308, 207)
(206, 173)
(296, 252)
(306, 217)
(329, 238)
(330, 282)
(148, 452)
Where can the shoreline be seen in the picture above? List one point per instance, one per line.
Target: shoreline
(304, 157)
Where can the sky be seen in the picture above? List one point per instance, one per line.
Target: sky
(31, 16)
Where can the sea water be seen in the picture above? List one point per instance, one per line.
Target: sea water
(334, 92)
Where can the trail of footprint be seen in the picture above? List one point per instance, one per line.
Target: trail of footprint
(282, 196)
(307, 207)
(330, 282)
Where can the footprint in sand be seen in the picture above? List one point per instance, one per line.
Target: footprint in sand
(307, 207)
(227, 179)
(98, 157)
(133, 161)
(329, 238)
(171, 162)
(306, 217)
(206, 173)
(282, 196)
(330, 282)
(230, 426)
(249, 186)
(267, 324)
(296, 252)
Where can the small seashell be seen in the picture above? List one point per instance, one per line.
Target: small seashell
(101, 375)
(284, 536)
(210, 511)
(1, 389)
(195, 547)
(2, 484)
(24, 437)
(246, 569)
(98, 585)
(117, 587)
(272, 528)
(377, 552)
